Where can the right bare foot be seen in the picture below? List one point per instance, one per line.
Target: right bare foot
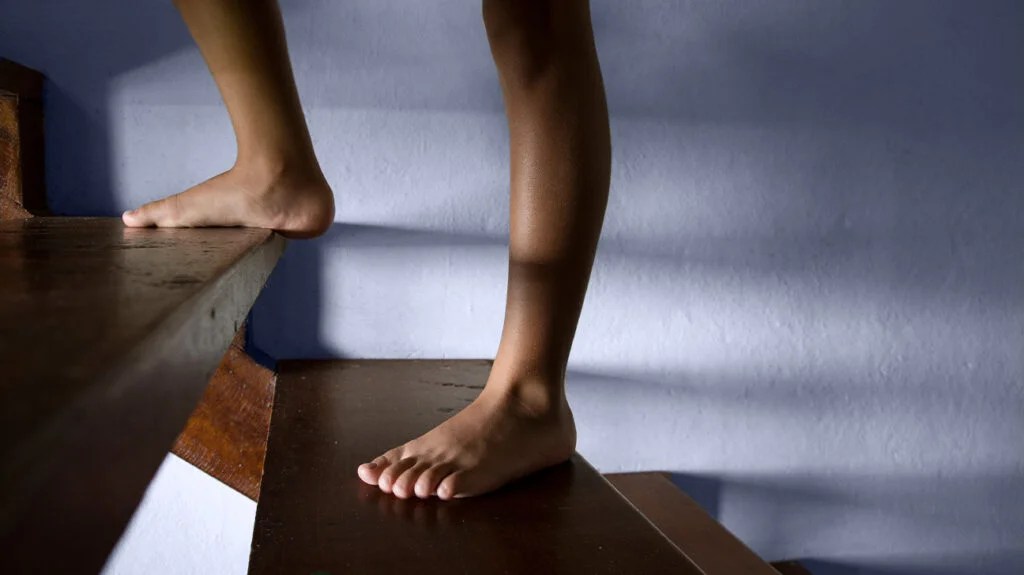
(297, 203)
(511, 430)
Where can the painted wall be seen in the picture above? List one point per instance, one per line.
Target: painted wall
(807, 303)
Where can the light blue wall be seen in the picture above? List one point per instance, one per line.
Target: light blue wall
(808, 300)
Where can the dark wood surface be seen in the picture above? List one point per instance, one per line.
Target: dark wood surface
(108, 336)
(316, 516)
(22, 188)
(790, 568)
(226, 436)
(705, 541)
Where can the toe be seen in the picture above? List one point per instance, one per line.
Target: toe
(137, 218)
(426, 485)
(466, 483)
(370, 472)
(403, 486)
(159, 213)
(452, 486)
(391, 474)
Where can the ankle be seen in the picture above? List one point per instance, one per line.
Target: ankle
(540, 397)
(271, 167)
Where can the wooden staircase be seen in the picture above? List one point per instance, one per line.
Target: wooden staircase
(108, 339)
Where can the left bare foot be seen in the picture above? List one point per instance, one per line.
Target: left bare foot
(294, 201)
(507, 433)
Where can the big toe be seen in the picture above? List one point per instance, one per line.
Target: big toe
(138, 218)
(370, 472)
(152, 214)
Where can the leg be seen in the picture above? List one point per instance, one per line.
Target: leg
(276, 181)
(560, 147)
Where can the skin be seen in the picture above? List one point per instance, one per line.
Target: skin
(560, 166)
(276, 181)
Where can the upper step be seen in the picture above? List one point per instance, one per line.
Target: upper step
(108, 336)
(316, 516)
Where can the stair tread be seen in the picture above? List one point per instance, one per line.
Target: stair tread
(315, 515)
(705, 541)
(107, 338)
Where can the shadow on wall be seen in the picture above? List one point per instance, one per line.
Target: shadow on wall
(890, 476)
(289, 314)
(914, 63)
(81, 48)
(811, 506)
(836, 568)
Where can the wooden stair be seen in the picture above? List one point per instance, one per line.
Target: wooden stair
(107, 339)
(315, 516)
(705, 541)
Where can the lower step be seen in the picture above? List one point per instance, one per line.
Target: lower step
(316, 516)
(705, 541)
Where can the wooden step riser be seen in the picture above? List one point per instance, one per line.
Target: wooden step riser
(226, 436)
(22, 187)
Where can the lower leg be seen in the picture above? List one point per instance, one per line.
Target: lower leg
(276, 181)
(560, 163)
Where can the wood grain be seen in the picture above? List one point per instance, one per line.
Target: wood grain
(10, 161)
(108, 337)
(316, 516)
(226, 436)
(705, 541)
(22, 180)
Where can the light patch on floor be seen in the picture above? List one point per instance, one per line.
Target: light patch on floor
(188, 524)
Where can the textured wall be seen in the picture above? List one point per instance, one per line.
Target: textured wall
(807, 302)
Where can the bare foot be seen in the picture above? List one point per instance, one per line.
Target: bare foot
(296, 203)
(502, 436)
